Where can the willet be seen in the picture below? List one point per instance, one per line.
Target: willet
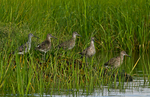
(25, 47)
(116, 61)
(89, 51)
(45, 46)
(67, 45)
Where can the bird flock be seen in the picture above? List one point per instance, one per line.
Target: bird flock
(45, 46)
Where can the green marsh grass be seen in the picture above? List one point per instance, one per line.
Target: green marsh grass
(116, 24)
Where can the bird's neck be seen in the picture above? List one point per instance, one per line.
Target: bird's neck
(29, 42)
(121, 57)
(92, 44)
(74, 37)
(48, 38)
(29, 39)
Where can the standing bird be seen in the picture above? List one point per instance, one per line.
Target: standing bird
(89, 51)
(116, 61)
(25, 47)
(67, 45)
(45, 46)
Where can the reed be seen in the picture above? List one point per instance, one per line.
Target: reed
(116, 25)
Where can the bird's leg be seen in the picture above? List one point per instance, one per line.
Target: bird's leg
(44, 56)
(86, 60)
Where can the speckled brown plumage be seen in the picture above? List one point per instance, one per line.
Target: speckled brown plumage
(67, 45)
(89, 51)
(116, 61)
(25, 47)
(46, 44)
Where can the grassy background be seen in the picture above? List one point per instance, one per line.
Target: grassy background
(119, 24)
(116, 24)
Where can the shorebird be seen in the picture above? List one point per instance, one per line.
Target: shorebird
(25, 47)
(89, 51)
(45, 46)
(67, 45)
(116, 61)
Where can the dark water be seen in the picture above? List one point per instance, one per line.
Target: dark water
(137, 88)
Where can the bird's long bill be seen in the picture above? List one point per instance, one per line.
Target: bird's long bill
(54, 37)
(36, 37)
(79, 35)
(128, 55)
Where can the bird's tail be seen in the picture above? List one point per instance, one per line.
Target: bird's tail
(57, 47)
(12, 53)
(106, 64)
(81, 55)
(35, 48)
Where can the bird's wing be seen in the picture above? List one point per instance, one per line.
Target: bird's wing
(43, 45)
(111, 61)
(23, 47)
(84, 51)
(64, 45)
